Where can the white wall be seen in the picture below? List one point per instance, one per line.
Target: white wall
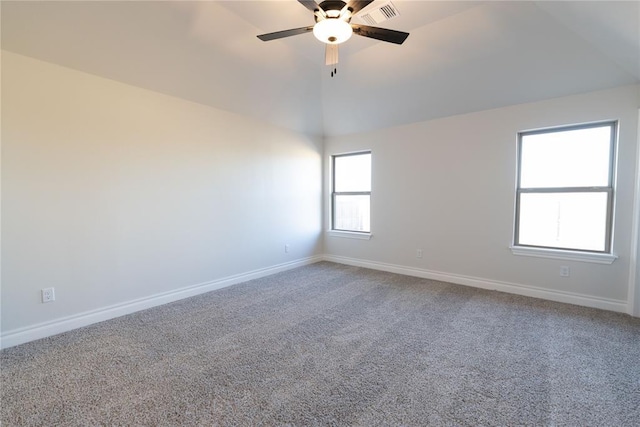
(447, 186)
(113, 193)
(636, 283)
(634, 273)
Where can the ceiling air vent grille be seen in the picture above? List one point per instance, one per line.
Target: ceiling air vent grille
(380, 14)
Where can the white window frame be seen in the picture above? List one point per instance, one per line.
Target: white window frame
(353, 234)
(604, 257)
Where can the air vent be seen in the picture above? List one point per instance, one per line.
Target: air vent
(380, 14)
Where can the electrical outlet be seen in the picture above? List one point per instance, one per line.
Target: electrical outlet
(286, 249)
(48, 295)
(418, 253)
(564, 271)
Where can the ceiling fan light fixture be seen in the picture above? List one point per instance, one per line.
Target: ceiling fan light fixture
(332, 31)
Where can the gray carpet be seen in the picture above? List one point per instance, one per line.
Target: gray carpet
(329, 344)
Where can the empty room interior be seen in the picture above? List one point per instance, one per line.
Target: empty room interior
(320, 213)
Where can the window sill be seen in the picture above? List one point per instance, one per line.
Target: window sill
(597, 258)
(349, 234)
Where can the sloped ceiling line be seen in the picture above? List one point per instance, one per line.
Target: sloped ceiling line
(460, 56)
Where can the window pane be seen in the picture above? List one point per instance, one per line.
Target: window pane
(352, 213)
(564, 220)
(571, 158)
(352, 173)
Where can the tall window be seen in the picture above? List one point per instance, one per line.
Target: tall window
(351, 192)
(564, 196)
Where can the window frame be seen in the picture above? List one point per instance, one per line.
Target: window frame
(338, 231)
(608, 190)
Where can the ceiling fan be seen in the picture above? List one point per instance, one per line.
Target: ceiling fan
(333, 26)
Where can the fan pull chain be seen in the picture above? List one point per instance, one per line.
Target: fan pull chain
(331, 58)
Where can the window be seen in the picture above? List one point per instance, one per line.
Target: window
(564, 195)
(350, 199)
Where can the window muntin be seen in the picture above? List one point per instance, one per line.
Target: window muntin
(564, 196)
(351, 196)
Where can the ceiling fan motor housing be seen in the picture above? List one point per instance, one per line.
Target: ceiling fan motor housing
(332, 8)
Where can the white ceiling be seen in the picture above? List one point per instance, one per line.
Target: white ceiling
(460, 56)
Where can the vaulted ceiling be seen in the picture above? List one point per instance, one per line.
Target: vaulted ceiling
(460, 56)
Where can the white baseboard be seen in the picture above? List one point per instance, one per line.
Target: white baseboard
(476, 282)
(57, 326)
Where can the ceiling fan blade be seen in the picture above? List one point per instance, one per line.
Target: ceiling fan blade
(309, 4)
(384, 34)
(285, 33)
(357, 6)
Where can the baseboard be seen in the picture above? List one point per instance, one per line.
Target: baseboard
(57, 326)
(513, 288)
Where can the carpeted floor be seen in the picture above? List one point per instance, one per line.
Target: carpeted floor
(329, 344)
